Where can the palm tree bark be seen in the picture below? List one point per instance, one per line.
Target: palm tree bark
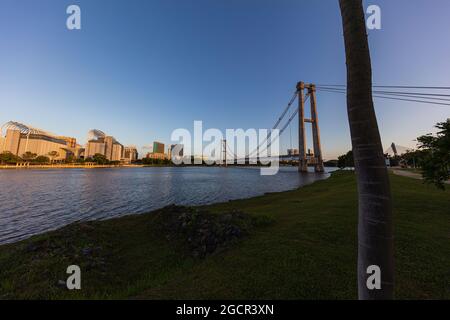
(375, 240)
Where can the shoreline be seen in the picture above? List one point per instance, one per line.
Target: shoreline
(25, 238)
(99, 166)
(67, 166)
(295, 239)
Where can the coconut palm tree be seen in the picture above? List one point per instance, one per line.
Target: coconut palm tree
(375, 241)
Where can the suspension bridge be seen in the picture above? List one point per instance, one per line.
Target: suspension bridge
(431, 95)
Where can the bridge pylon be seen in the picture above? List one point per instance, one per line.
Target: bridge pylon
(317, 159)
(224, 152)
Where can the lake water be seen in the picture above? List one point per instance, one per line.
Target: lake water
(35, 201)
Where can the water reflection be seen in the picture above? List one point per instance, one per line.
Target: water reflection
(35, 201)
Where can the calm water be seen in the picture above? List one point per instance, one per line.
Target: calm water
(35, 201)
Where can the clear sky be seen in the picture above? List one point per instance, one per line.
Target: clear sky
(139, 69)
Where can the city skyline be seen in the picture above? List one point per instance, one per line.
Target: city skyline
(231, 66)
(29, 142)
(224, 156)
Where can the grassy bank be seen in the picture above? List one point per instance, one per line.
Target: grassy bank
(307, 251)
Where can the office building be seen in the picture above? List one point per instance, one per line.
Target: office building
(158, 151)
(130, 154)
(158, 147)
(100, 143)
(176, 151)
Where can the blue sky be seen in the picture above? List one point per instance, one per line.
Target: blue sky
(140, 69)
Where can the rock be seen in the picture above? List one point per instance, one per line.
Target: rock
(87, 251)
(31, 247)
(202, 232)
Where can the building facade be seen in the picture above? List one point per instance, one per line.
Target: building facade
(20, 139)
(130, 154)
(153, 155)
(176, 151)
(99, 143)
(158, 147)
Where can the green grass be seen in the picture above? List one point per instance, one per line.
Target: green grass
(307, 252)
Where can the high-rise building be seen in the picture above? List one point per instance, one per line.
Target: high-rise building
(158, 147)
(20, 139)
(176, 151)
(93, 147)
(117, 152)
(130, 154)
(109, 146)
(100, 143)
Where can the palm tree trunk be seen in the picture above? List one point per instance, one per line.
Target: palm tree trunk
(375, 241)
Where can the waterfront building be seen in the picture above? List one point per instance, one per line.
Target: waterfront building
(176, 151)
(99, 142)
(156, 155)
(130, 154)
(117, 152)
(158, 147)
(292, 152)
(93, 147)
(20, 138)
(70, 142)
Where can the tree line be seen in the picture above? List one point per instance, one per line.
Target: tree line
(9, 158)
(432, 156)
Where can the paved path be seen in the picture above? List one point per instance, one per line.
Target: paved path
(410, 174)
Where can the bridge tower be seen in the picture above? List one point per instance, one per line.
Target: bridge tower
(224, 152)
(317, 159)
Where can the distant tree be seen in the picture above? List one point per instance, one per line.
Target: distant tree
(7, 157)
(42, 159)
(346, 160)
(331, 163)
(70, 158)
(53, 155)
(412, 158)
(395, 160)
(88, 159)
(435, 160)
(29, 156)
(100, 159)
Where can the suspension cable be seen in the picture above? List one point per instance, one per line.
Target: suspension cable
(392, 97)
(291, 101)
(395, 87)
